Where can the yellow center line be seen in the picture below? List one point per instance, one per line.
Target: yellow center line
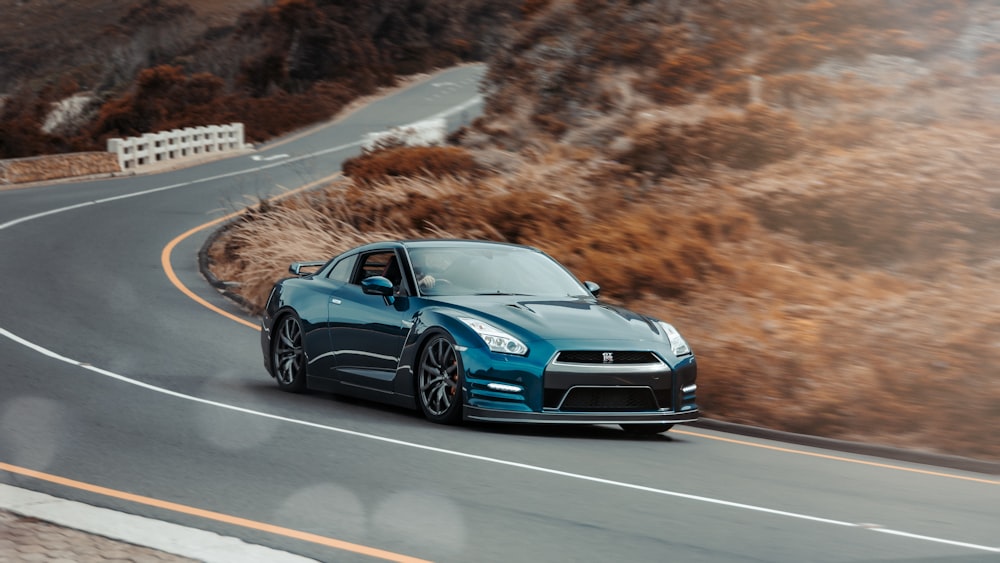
(173, 278)
(165, 259)
(168, 268)
(837, 458)
(211, 515)
(208, 514)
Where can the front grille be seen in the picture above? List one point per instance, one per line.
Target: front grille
(598, 357)
(609, 399)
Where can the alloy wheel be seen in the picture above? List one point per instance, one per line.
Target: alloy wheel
(288, 357)
(438, 381)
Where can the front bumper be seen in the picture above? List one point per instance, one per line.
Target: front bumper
(502, 388)
(562, 417)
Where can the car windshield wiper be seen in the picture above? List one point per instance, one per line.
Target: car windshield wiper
(501, 293)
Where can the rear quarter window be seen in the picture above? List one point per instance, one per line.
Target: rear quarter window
(341, 271)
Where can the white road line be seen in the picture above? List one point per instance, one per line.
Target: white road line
(462, 107)
(258, 157)
(459, 108)
(496, 461)
(27, 218)
(448, 112)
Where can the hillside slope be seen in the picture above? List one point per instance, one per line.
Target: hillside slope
(806, 188)
(73, 74)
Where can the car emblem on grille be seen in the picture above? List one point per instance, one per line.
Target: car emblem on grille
(609, 358)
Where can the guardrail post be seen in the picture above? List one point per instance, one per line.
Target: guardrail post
(117, 146)
(154, 148)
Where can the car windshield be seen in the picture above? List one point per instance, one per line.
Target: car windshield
(490, 270)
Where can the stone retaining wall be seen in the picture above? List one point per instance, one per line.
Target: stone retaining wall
(53, 167)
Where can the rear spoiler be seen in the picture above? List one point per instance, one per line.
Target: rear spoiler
(296, 267)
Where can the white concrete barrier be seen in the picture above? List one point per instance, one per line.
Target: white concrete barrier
(421, 133)
(135, 153)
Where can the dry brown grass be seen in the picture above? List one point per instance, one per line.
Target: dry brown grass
(373, 167)
(831, 254)
(793, 330)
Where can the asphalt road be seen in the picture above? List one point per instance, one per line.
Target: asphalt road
(154, 404)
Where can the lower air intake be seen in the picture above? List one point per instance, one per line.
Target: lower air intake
(608, 399)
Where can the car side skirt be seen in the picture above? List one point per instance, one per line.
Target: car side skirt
(359, 392)
(555, 417)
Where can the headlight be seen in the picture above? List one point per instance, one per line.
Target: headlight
(498, 340)
(677, 343)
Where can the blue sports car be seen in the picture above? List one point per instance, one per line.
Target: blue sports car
(478, 331)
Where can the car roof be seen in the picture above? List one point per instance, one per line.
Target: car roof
(451, 243)
(440, 243)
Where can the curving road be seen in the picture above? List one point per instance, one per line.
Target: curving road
(119, 390)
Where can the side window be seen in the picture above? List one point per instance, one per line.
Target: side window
(341, 271)
(383, 263)
(377, 264)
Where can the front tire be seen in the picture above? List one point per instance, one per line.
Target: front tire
(439, 381)
(288, 358)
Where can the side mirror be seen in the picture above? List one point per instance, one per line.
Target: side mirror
(593, 288)
(378, 285)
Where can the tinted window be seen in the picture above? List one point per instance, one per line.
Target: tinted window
(342, 270)
(378, 264)
(491, 271)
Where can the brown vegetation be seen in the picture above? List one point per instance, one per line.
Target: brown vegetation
(153, 65)
(829, 250)
(373, 167)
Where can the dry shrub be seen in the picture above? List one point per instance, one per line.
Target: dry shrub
(758, 136)
(850, 29)
(678, 76)
(846, 132)
(634, 248)
(532, 7)
(833, 262)
(940, 211)
(381, 165)
(988, 61)
(281, 112)
(870, 356)
(277, 67)
(794, 90)
(800, 89)
(735, 93)
(550, 124)
(794, 52)
(761, 136)
(256, 249)
(21, 118)
(644, 249)
(688, 65)
(612, 43)
(659, 149)
(166, 98)
(791, 334)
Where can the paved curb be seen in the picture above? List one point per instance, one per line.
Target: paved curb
(862, 448)
(139, 530)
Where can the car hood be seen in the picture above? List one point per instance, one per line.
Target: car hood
(534, 318)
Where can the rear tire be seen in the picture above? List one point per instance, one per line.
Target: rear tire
(288, 358)
(645, 429)
(439, 381)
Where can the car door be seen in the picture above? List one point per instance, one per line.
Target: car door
(368, 331)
